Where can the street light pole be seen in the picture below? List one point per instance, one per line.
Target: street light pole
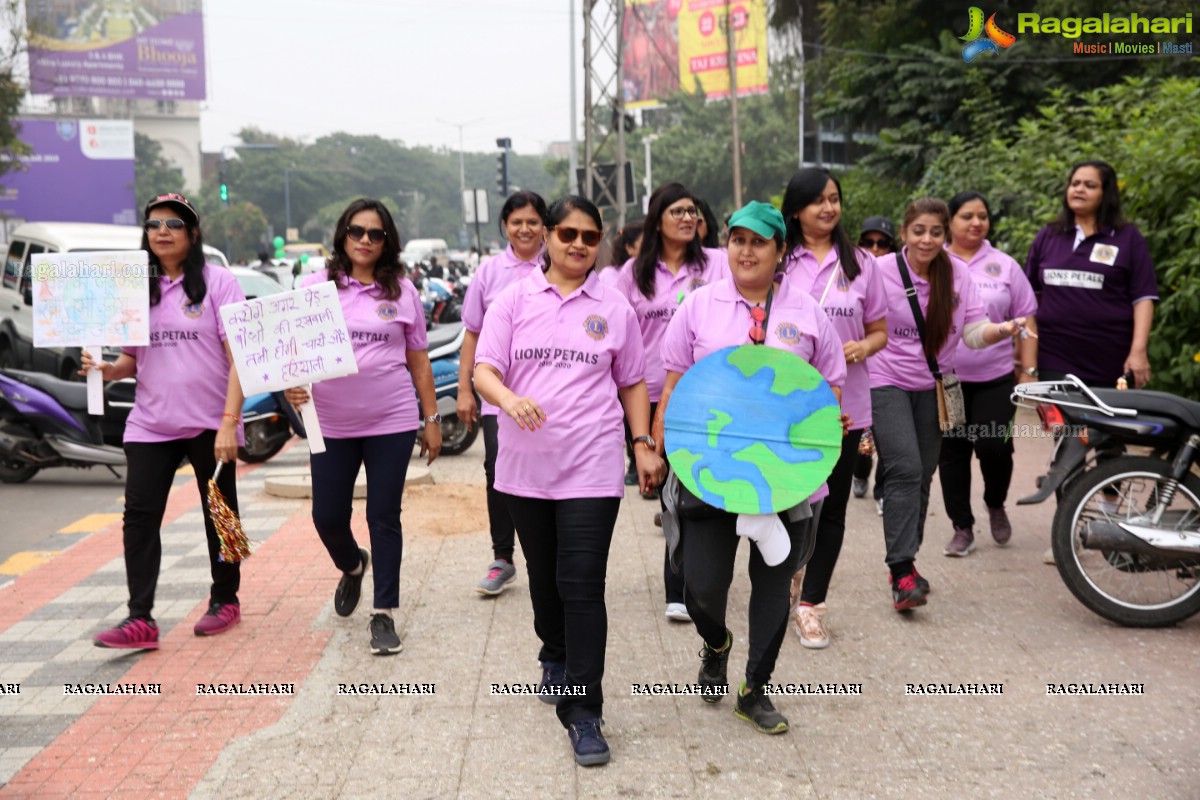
(462, 170)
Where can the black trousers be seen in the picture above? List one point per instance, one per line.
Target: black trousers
(709, 548)
(831, 530)
(989, 412)
(566, 545)
(150, 471)
(333, 474)
(499, 518)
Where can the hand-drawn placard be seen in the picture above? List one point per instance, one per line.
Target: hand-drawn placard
(289, 339)
(90, 299)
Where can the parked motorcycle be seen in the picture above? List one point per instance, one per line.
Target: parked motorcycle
(445, 345)
(1126, 535)
(269, 422)
(44, 423)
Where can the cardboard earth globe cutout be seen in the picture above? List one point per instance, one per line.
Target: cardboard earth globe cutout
(752, 430)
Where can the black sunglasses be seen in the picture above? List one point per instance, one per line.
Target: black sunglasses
(173, 224)
(356, 232)
(568, 235)
(874, 243)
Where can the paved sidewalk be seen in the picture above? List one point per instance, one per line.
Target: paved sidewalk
(997, 617)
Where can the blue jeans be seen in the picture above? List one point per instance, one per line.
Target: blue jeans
(333, 475)
(566, 543)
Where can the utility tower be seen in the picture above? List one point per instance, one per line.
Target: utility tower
(604, 103)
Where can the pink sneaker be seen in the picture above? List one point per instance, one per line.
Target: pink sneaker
(220, 618)
(132, 634)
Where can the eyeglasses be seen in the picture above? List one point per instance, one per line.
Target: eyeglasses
(874, 244)
(680, 213)
(356, 232)
(173, 224)
(568, 235)
(758, 316)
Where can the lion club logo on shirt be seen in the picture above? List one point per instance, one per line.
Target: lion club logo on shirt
(788, 333)
(696, 283)
(386, 312)
(992, 269)
(842, 284)
(955, 300)
(596, 327)
(193, 310)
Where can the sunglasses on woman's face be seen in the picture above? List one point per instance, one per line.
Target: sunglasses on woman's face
(357, 232)
(568, 235)
(874, 244)
(758, 315)
(173, 224)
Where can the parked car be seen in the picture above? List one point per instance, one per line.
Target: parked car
(16, 291)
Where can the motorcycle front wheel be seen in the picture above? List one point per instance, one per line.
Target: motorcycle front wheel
(457, 438)
(1129, 588)
(264, 439)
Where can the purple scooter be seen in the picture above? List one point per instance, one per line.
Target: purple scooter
(44, 423)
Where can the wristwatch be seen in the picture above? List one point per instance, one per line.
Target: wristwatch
(435, 418)
(1031, 371)
(649, 440)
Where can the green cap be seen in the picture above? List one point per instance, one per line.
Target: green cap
(762, 218)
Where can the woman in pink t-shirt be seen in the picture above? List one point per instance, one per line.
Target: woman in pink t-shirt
(671, 264)
(188, 404)
(523, 221)
(556, 352)
(845, 282)
(745, 307)
(904, 402)
(987, 379)
(371, 418)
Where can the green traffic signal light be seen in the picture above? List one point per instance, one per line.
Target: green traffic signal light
(224, 193)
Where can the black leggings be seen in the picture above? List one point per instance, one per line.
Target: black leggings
(989, 414)
(150, 471)
(503, 538)
(831, 530)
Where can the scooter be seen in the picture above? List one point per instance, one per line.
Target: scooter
(269, 422)
(44, 423)
(445, 345)
(1126, 534)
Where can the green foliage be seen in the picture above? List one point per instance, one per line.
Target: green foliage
(12, 92)
(1149, 130)
(153, 174)
(239, 230)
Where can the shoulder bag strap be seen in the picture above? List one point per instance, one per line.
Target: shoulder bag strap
(911, 292)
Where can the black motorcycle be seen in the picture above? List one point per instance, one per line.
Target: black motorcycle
(1126, 534)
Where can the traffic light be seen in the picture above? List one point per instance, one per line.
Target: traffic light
(502, 166)
(225, 193)
(223, 184)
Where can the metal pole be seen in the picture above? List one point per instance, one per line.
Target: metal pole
(589, 144)
(478, 237)
(800, 60)
(573, 159)
(619, 95)
(733, 109)
(287, 201)
(649, 183)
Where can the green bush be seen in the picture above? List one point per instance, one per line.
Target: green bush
(1149, 130)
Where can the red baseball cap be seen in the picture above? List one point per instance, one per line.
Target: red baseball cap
(179, 203)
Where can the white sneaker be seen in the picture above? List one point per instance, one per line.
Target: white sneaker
(677, 612)
(808, 625)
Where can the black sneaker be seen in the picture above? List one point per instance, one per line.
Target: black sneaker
(384, 641)
(588, 742)
(349, 588)
(554, 676)
(906, 593)
(756, 708)
(713, 677)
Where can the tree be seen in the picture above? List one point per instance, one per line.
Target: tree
(12, 92)
(239, 230)
(153, 174)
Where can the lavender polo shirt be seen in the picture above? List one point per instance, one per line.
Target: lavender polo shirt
(491, 278)
(1005, 293)
(570, 355)
(654, 313)
(902, 363)
(183, 374)
(380, 399)
(1086, 296)
(850, 305)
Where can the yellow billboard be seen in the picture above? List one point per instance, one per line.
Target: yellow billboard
(681, 45)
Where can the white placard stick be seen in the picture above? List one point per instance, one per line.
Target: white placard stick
(312, 426)
(95, 383)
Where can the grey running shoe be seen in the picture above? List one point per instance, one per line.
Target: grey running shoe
(500, 574)
(1001, 527)
(384, 641)
(756, 708)
(962, 544)
(858, 486)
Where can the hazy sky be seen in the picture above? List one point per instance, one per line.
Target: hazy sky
(393, 68)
